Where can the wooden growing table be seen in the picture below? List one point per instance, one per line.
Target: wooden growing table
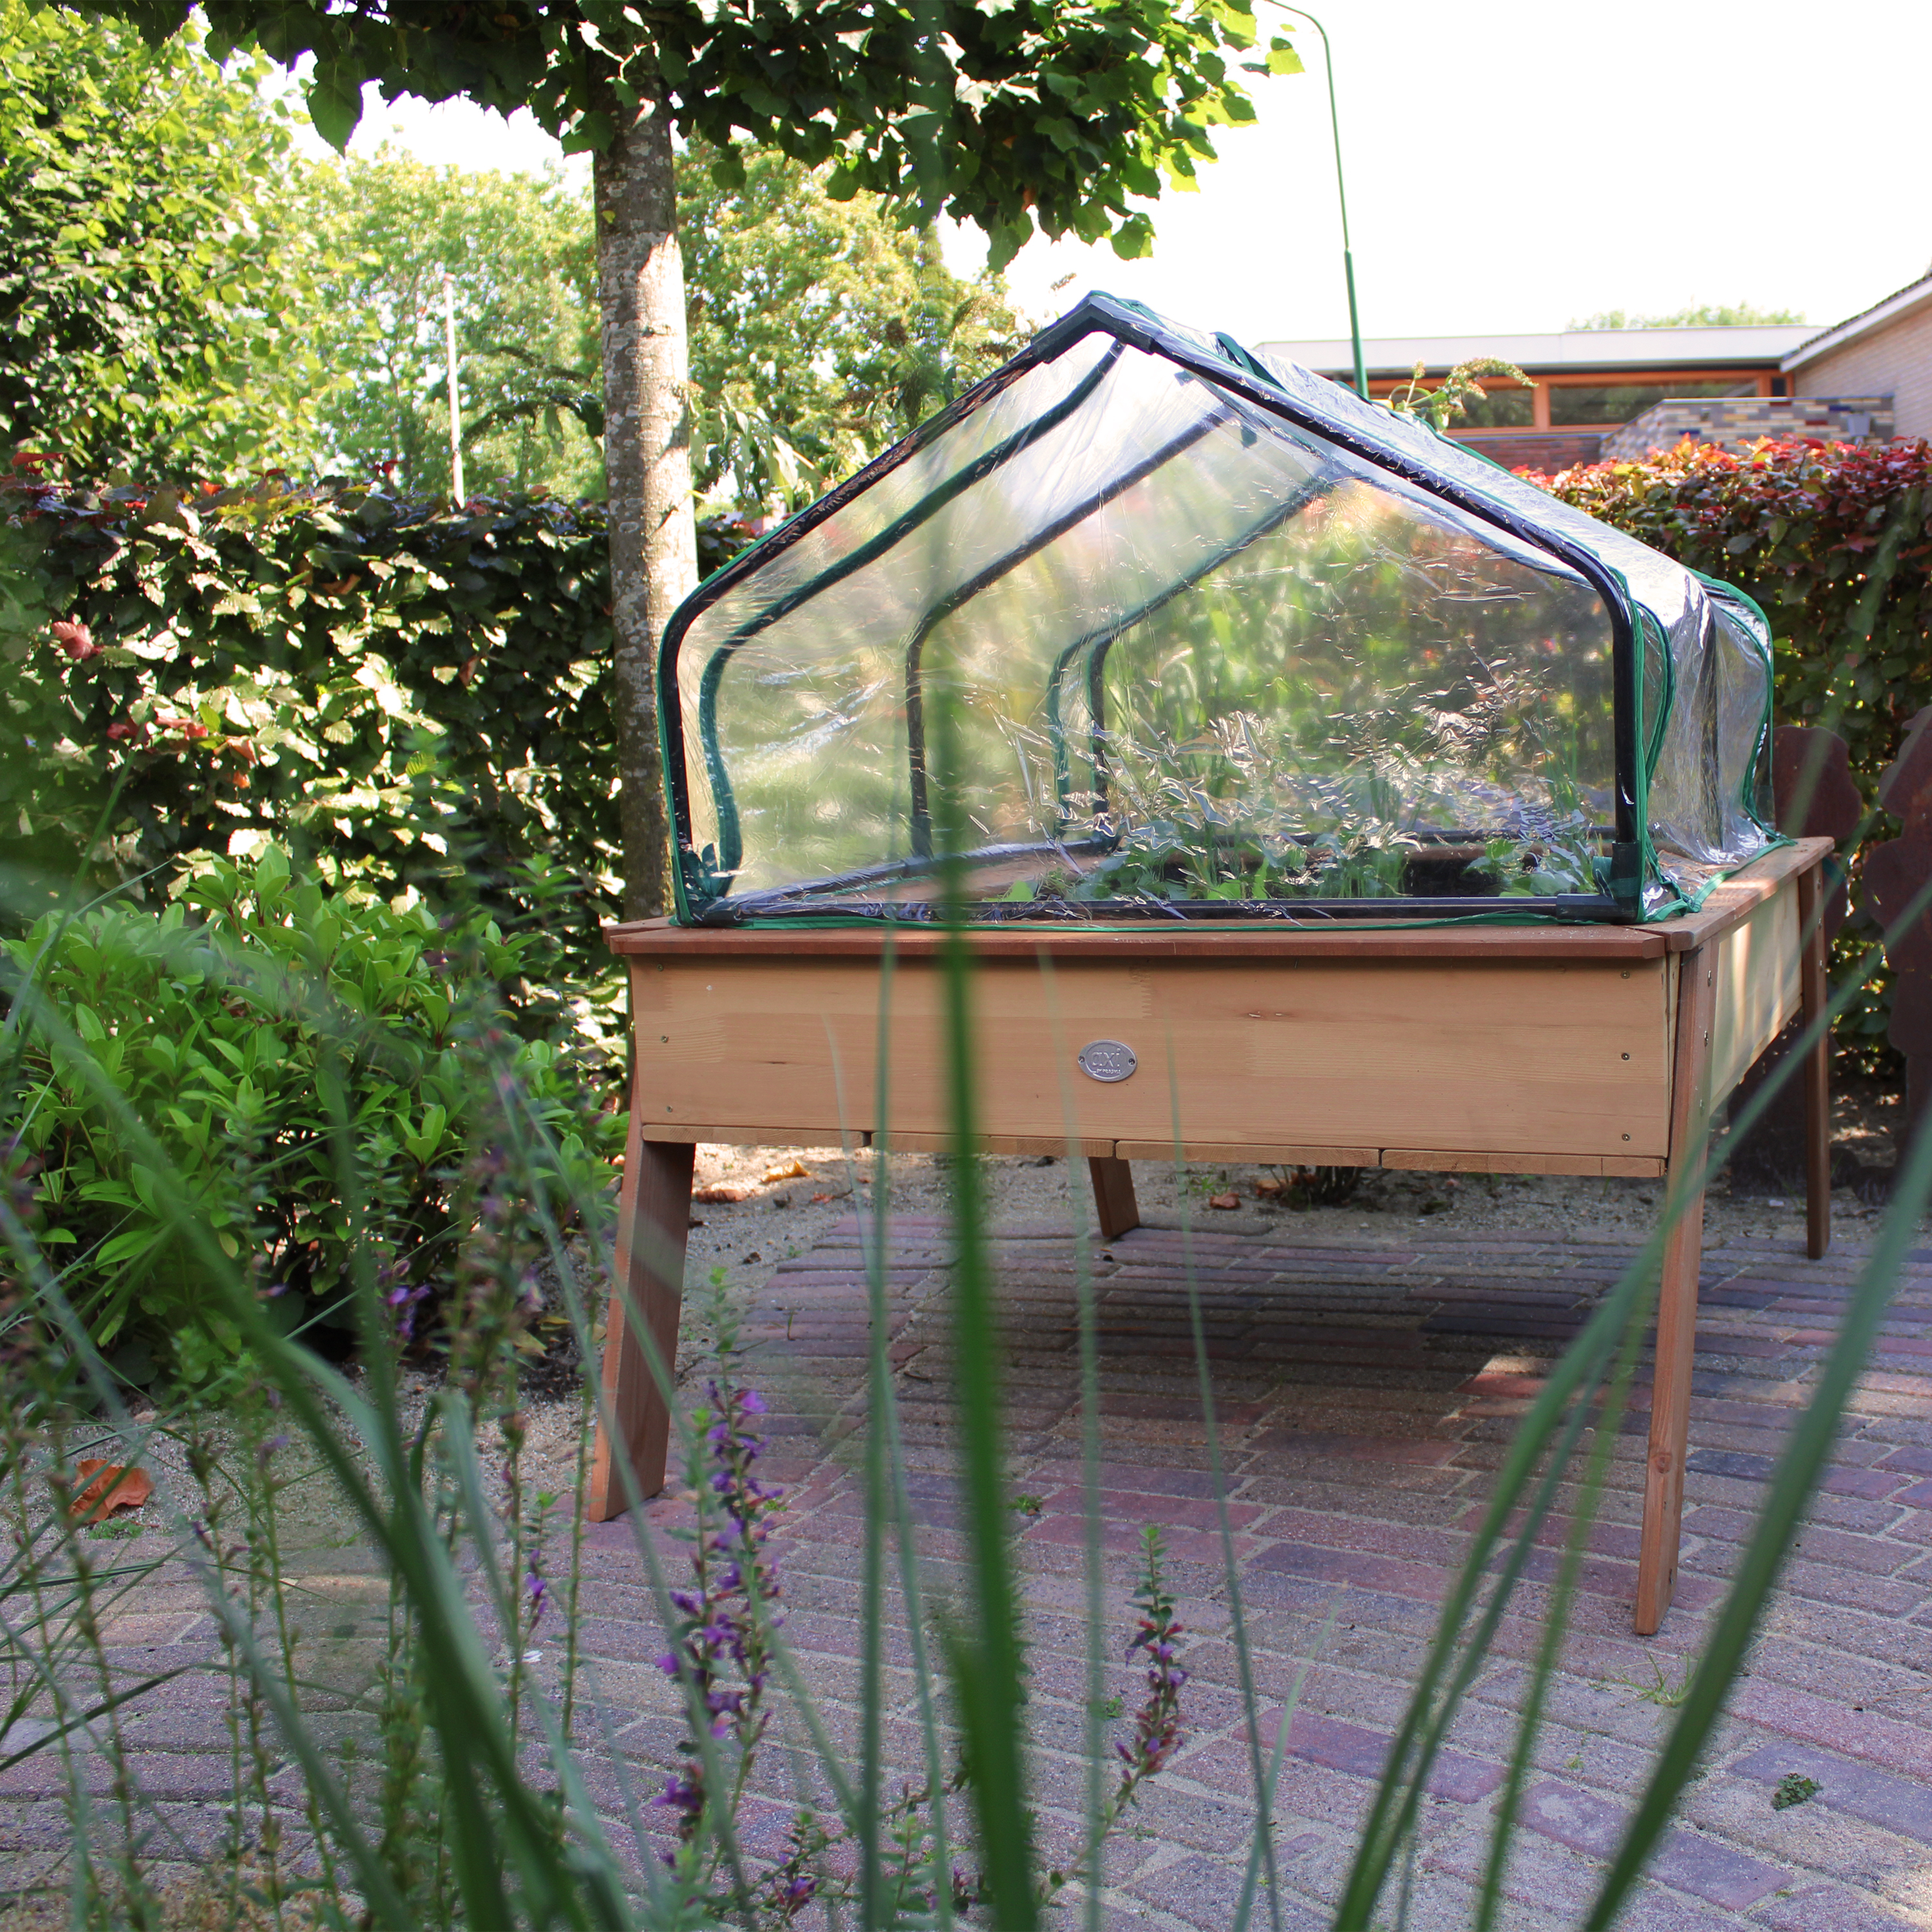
(1531, 1049)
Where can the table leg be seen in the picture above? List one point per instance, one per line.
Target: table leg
(1113, 1200)
(1816, 1073)
(1677, 1293)
(653, 1224)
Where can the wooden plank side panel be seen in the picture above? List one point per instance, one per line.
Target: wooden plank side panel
(1757, 989)
(712, 1133)
(1261, 1153)
(1516, 1056)
(905, 1141)
(1640, 1167)
(1199, 1153)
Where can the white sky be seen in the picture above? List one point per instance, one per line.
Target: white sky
(1509, 169)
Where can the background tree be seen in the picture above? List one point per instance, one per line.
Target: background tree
(384, 231)
(146, 300)
(1039, 112)
(1701, 315)
(821, 330)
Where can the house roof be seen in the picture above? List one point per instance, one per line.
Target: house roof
(1579, 350)
(1901, 301)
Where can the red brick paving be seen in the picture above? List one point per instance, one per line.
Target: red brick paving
(1364, 1395)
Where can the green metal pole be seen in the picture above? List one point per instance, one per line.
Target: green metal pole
(1341, 194)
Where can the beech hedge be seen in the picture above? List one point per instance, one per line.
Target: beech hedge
(408, 692)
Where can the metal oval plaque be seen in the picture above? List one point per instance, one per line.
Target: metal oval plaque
(1107, 1060)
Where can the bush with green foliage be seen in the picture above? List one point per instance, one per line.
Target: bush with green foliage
(1834, 540)
(232, 1037)
(1697, 315)
(148, 303)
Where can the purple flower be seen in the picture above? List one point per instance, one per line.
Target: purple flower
(681, 1794)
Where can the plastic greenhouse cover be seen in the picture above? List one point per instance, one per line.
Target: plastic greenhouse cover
(1143, 625)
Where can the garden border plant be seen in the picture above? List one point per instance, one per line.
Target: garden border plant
(216, 1033)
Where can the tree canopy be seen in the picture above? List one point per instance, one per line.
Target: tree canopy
(1035, 113)
(147, 303)
(821, 330)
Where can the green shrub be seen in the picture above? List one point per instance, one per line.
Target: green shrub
(417, 692)
(222, 1035)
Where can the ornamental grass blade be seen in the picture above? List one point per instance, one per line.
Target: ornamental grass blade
(1094, 1797)
(1231, 1571)
(986, 1658)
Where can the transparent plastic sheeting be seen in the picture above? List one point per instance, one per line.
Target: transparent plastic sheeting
(1145, 644)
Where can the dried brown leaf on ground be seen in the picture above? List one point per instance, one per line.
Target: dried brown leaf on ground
(108, 1487)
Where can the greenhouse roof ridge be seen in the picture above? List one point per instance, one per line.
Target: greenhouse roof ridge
(1406, 446)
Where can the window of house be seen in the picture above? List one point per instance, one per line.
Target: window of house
(1577, 404)
(1505, 406)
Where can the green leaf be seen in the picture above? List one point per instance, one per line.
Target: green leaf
(590, 133)
(334, 98)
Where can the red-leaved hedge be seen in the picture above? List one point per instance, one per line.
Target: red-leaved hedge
(1834, 540)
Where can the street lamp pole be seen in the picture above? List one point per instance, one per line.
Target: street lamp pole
(1341, 193)
(458, 494)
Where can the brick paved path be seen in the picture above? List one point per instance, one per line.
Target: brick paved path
(1365, 1395)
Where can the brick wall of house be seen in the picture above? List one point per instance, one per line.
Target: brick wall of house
(1562, 449)
(1735, 422)
(1896, 359)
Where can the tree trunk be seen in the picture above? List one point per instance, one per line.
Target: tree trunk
(647, 464)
